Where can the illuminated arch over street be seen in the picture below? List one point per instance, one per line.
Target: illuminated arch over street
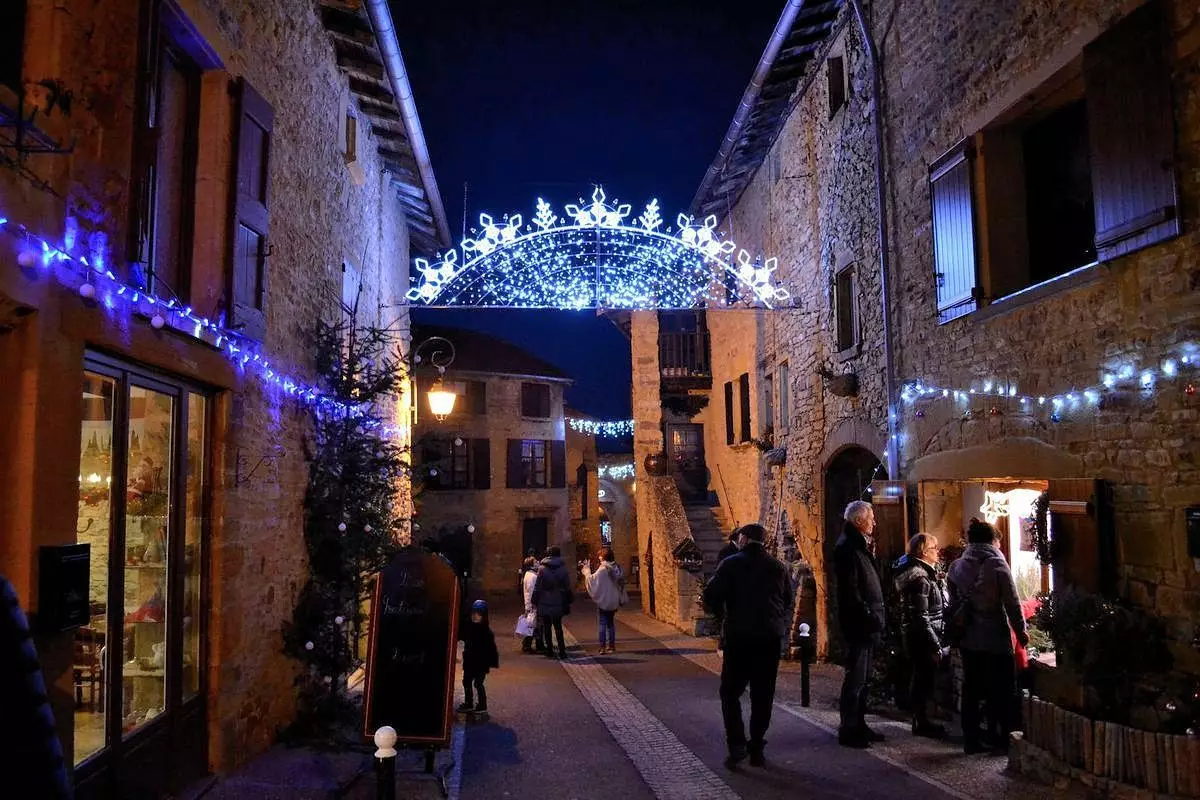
(595, 257)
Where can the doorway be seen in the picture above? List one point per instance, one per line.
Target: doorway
(535, 534)
(847, 478)
(139, 677)
(685, 449)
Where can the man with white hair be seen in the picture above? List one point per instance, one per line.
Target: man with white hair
(861, 617)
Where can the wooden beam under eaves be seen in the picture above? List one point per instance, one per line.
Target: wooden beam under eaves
(420, 226)
(409, 190)
(337, 19)
(362, 66)
(416, 209)
(378, 111)
(401, 172)
(373, 90)
(390, 135)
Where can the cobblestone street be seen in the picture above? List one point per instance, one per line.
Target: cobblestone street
(645, 723)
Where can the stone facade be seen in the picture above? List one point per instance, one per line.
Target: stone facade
(619, 506)
(497, 512)
(320, 220)
(583, 485)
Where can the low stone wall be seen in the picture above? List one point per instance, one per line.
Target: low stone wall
(675, 590)
(1110, 760)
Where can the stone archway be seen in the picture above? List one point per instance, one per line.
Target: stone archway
(847, 475)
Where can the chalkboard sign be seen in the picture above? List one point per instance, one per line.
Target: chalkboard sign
(412, 648)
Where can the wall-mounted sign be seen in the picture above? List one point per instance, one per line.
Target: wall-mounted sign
(412, 650)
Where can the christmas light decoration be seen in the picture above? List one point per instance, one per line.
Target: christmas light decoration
(618, 472)
(87, 275)
(593, 258)
(591, 427)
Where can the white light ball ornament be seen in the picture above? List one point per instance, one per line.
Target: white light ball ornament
(26, 259)
(470, 529)
(157, 322)
(308, 646)
(342, 527)
(339, 620)
(87, 291)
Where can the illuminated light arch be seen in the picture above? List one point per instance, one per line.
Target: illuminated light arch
(594, 258)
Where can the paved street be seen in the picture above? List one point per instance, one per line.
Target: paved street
(645, 723)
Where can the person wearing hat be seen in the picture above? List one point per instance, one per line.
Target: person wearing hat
(479, 656)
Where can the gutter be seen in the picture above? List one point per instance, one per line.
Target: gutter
(891, 454)
(749, 98)
(389, 48)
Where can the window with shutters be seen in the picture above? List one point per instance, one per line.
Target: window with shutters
(845, 311)
(12, 36)
(954, 247)
(745, 433)
(456, 463)
(252, 213)
(535, 400)
(533, 464)
(768, 407)
(729, 431)
(163, 207)
(460, 464)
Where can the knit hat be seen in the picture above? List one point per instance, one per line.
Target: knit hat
(479, 605)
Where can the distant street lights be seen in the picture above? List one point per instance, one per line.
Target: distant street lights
(441, 397)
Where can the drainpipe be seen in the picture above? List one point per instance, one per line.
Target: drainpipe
(893, 457)
(749, 97)
(389, 48)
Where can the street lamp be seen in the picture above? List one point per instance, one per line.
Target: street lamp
(441, 397)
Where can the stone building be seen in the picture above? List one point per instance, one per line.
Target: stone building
(1039, 192)
(497, 465)
(235, 172)
(583, 487)
(618, 510)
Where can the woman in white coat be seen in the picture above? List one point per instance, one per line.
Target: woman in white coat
(528, 579)
(606, 586)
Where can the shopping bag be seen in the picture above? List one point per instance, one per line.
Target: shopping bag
(524, 626)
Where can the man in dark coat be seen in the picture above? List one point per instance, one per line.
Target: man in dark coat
(552, 595)
(861, 617)
(755, 593)
(730, 547)
(922, 608)
(31, 758)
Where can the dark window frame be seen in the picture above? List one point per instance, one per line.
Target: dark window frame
(785, 398)
(835, 82)
(845, 311)
(12, 42)
(535, 466)
(729, 429)
(535, 398)
(745, 431)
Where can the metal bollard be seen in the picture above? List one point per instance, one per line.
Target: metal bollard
(385, 763)
(807, 652)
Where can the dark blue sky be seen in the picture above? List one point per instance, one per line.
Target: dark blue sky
(544, 98)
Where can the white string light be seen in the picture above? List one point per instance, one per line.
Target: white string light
(618, 472)
(592, 258)
(591, 427)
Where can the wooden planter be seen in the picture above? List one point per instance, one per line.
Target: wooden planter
(1105, 756)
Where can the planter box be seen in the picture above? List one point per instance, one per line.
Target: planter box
(1109, 759)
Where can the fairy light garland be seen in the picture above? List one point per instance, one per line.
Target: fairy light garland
(618, 472)
(88, 275)
(616, 428)
(593, 258)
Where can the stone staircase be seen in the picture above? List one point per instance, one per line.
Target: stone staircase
(708, 533)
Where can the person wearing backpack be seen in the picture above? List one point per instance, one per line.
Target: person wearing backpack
(985, 612)
(552, 596)
(606, 586)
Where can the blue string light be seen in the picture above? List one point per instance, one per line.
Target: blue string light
(591, 427)
(593, 259)
(96, 283)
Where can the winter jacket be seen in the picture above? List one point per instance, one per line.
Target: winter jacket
(604, 585)
(527, 582)
(552, 591)
(31, 758)
(922, 605)
(861, 612)
(479, 648)
(982, 578)
(725, 552)
(755, 592)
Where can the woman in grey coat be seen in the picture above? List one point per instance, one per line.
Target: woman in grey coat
(982, 581)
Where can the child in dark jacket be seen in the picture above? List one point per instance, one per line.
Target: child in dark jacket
(479, 656)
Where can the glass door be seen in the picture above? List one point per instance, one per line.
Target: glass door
(139, 722)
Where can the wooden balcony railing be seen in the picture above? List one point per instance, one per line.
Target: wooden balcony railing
(684, 355)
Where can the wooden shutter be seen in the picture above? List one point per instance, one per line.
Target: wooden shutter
(954, 246)
(744, 403)
(481, 464)
(514, 474)
(557, 453)
(888, 498)
(1083, 536)
(528, 401)
(477, 397)
(252, 215)
(729, 412)
(145, 143)
(1131, 128)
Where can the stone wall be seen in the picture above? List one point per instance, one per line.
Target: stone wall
(498, 511)
(319, 218)
(585, 529)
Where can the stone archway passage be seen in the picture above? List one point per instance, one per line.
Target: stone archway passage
(594, 258)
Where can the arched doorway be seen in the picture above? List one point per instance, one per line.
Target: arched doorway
(847, 477)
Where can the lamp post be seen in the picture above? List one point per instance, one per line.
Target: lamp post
(441, 397)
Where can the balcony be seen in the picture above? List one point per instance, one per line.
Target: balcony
(684, 361)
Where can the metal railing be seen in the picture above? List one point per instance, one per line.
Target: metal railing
(684, 355)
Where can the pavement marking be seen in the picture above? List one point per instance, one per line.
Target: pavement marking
(667, 765)
(712, 663)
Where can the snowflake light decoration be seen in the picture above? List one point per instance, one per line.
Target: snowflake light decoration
(596, 256)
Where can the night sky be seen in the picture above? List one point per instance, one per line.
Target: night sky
(545, 98)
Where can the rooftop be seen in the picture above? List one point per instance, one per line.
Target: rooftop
(479, 352)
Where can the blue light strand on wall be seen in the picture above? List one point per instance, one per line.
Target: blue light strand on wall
(616, 428)
(96, 283)
(593, 258)
(1124, 377)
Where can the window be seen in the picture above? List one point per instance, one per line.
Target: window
(777, 162)
(768, 407)
(456, 463)
(745, 433)
(476, 398)
(533, 463)
(785, 398)
(835, 78)
(460, 464)
(535, 400)
(12, 35)
(1081, 169)
(845, 307)
(729, 412)
(351, 288)
(537, 464)
(163, 205)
